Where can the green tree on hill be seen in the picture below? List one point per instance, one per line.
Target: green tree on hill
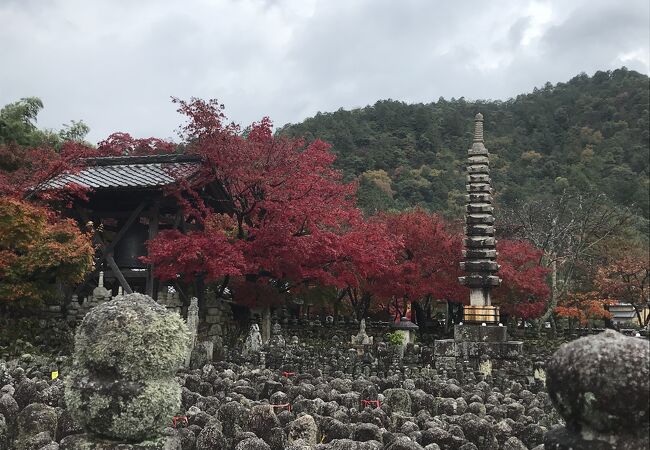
(588, 133)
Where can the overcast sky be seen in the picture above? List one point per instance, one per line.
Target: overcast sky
(115, 63)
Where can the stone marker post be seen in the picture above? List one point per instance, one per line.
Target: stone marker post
(193, 327)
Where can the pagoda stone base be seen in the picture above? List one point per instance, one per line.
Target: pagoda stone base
(473, 342)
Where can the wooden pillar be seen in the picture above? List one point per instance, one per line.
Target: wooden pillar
(153, 232)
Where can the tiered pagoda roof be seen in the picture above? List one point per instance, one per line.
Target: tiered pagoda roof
(480, 252)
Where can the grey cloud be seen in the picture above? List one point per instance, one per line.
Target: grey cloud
(115, 64)
(600, 27)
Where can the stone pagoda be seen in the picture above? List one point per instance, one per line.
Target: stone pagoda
(480, 336)
(480, 253)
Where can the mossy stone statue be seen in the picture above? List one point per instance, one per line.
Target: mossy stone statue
(122, 384)
(600, 385)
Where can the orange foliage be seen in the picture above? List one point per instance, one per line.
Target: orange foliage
(626, 280)
(584, 306)
(37, 250)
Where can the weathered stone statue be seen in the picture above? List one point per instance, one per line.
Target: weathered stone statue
(601, 387)
(100, 293)
(277, 340)
(361, 340)
(253, 343)
(122, 388)
(362, 337)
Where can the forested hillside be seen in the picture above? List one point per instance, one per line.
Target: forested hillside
(589, 133)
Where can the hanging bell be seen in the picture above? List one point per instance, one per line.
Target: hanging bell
(131, 247)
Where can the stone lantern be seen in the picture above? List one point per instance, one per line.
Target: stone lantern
(407, 329)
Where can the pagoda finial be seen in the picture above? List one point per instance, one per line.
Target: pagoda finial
(478, 128)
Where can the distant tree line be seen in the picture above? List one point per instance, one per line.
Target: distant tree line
(589, 134)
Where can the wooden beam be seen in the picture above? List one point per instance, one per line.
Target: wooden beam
(120, 234)
(128, 273)
(106, 251)
(118, 274)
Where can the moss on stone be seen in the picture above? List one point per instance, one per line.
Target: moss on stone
(133, 418)
(122, 383)
(132, 336)
(147, 414)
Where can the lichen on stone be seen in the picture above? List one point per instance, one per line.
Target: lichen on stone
(132, 336)
(122, 383)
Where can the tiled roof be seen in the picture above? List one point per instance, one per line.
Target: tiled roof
(130, 172)
(622, 311)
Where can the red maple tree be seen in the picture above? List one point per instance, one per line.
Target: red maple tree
(428, 263)
(283, 214)
(27, 172)
(523, 291)
(627, 280)
(123, 144)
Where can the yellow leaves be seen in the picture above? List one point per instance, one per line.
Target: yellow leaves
(381, 179)
(531, 156)
(224, 223)
(590, 136)
(587, 153)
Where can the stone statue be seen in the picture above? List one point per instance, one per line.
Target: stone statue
(361, 340)
(277, 340)
(121, 386)
(595, 383)
(362, 337)
(253, 343)
(100, 293)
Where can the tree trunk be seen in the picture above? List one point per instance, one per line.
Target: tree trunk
(553, 328)
(638, 315)
(266, 324)
(200, 295)
(554, 296)
(447, 317)
(360, 305)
